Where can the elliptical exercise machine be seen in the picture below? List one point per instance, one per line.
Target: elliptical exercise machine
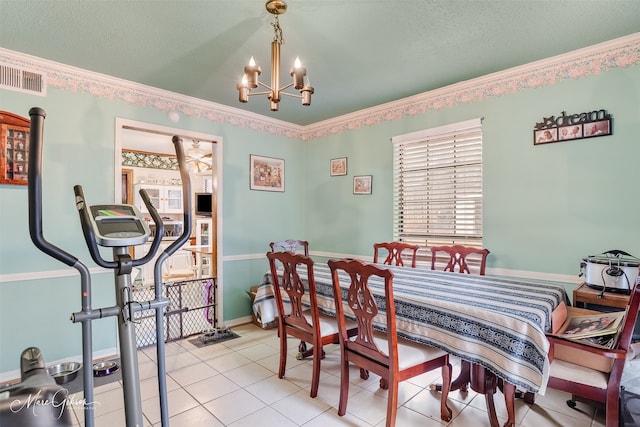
(119, 227)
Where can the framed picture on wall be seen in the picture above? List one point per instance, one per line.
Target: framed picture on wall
(601, 128)
(267, 173)
(545, 136)
(362, 184)
(339, 166)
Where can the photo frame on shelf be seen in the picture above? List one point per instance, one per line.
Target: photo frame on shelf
(362, 184)
(266, 173)
(338, 166)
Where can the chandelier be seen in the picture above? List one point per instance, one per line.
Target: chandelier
(250, 79)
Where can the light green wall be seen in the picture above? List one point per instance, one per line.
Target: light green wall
(79, 135)
(337, 220)
(545, 207)
(37, 312)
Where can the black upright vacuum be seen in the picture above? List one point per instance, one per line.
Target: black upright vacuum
(119, 227)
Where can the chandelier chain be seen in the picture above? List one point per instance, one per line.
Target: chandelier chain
(277, 31)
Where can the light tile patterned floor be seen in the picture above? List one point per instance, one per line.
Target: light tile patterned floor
(235, 383)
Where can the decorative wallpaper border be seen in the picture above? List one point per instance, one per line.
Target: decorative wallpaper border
(618, 53)
(148, 160)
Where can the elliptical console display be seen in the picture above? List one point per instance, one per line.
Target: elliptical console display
(119, 225)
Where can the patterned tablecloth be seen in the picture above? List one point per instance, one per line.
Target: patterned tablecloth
(497, 322)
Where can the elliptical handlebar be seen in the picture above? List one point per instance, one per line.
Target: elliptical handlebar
(34, 176)
(186, 197)
(89, 236)
(157, 220)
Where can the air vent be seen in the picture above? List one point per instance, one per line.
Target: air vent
(22, 80)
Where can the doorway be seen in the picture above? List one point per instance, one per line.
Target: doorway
(155, 141)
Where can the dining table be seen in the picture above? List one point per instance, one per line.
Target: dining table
(496, 324)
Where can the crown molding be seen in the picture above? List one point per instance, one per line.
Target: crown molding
(618, 53)
(622, 52)
(66, 77)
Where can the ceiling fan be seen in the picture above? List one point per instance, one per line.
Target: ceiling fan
(198, 160)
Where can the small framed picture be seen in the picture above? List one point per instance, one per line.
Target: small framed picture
(570, 132)
(601, 128)
(545, 136)
(339, 166)
(267, 173)
(362, 184)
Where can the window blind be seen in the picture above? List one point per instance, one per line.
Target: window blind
(437, 186)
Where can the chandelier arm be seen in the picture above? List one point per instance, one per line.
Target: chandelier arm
(264, 85)
(264, 92)
(292, 95)
(286, 87)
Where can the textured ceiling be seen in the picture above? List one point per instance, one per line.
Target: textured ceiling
(359, 53)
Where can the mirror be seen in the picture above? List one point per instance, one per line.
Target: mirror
(145, 158)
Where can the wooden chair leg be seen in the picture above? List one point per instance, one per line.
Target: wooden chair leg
(315, 374)
(344, 385)
(392, 403)
(612, 407)
(283, 354)
(445, 412)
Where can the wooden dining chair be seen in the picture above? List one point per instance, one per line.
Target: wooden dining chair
(394, 253)
(303, 320)
(460, 258)
(384, 354)
(290, 245)
(574, 366)
(294, 246)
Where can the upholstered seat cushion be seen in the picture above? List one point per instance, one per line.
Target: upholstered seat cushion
(579, 374)
(409, 353)
(328, 324)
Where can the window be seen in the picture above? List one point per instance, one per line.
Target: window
(437, 186)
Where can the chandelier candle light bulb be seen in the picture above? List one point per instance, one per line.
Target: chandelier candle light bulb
(243, 90)
(298, 72)
(252, 71)
(306, 91)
